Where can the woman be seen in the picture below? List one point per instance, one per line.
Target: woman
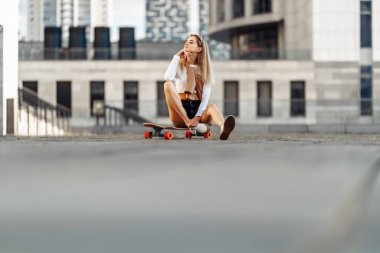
(188, 88)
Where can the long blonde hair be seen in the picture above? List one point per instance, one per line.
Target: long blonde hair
(203, 60)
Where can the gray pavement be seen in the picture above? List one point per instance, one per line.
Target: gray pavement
(253, 193)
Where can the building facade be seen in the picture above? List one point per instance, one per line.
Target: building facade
(35, 20)
(66, 13)
(341, 38)
(167, 21)
(294, 62)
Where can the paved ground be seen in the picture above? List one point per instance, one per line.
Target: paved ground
(253, 193)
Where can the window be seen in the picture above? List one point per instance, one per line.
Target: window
(262, 6)
(264, 99)
(97, 97)
(64, 98)
(31, 91)
(365, 23)
(131, 96)
(298, 103)
(238, 8)
(366, 91)
(162, 108)
(31, 86)
(220, 10)
(231, 98)
(258, 43)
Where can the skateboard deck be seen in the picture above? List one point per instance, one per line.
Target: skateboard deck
(167, 134)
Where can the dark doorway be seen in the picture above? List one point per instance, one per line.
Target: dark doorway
(298, 103)
(231, 98)
(264, 99)
(64, 98)
(131, 96)
(31, 86)
(30, 94)
(96, 95)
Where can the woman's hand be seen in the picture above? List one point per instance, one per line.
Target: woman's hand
(194, 122)
(184, 54)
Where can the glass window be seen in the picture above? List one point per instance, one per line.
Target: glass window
(264, 99)
(31, 86)
(97, 97)
(366, 91)
(64, 98)
(131, 96)
(366, 71)
(231, 98)
(297, 96)
(220, 10)
(365, 6)
(30, 92)
(262, 6)
(258, 43)
(238, 8)
(365, 23)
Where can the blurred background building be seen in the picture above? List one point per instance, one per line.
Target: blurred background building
(66, 13)
(295, 63)
(167, 21)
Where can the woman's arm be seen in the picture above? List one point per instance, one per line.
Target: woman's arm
(205, 98)
(172, 69)
(173, 66)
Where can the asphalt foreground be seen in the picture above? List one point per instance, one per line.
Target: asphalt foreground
(253, 193)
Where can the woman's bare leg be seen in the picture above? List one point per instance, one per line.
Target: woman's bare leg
(226, 125)
(212, 114)
(177, 113)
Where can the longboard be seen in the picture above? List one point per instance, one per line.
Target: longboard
(160, 131)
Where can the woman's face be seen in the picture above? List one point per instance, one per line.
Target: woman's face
(191, 45)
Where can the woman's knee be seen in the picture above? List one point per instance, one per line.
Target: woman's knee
(211, 107)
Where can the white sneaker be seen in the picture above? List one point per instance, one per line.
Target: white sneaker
(202, 128)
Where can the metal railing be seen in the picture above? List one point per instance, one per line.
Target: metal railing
(39, 54)
(114, 116)
(41, 116)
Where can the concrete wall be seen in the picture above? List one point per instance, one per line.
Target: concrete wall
(297, 34)
(114, 73)
(336, 30)
(338, 92)
(332, 88)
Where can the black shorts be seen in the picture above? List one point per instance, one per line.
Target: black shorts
(191, 107)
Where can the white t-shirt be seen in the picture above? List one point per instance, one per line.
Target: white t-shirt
(175, 74)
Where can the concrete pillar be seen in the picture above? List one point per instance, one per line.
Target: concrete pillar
(8, 58)
(212, 12)
(1, 80)
(248, 8)
(114, 93)
(228, 10)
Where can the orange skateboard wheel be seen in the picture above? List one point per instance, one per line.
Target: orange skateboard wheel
(207, 135)
(188, 134)
(168, 135)
(148, 135)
